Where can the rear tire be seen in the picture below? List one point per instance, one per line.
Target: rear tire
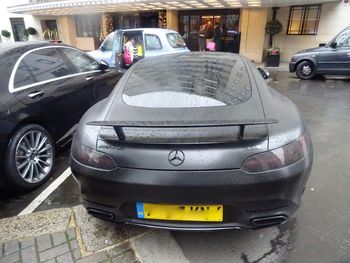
(30, 158)
(306, 70)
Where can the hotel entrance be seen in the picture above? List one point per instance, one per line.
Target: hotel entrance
(191, 20)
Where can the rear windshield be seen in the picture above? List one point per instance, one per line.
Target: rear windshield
(188, 80)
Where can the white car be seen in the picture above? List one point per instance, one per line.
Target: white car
(154, 42)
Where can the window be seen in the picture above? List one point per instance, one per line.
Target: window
(187, 82)
(41, 65)
(343, 39)
(175, 40)
(81, 62)
(107, 45)
(88, 25)
(304, 20)
(153, 42)
(17, 25)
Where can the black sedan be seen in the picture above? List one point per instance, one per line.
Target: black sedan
(331, 59)
(192, 141)
(45, 89)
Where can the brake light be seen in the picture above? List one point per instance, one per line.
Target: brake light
(278, 158)
(89, 157)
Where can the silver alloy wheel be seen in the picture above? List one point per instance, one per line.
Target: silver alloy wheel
(34, 156)
(307, 70)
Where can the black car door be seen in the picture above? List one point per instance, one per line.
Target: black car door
(52, 90)
(335, 59)
(102, 81)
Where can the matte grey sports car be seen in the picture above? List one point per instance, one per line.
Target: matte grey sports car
(193, 141)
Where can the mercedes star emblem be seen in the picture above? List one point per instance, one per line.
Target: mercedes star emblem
(176, 157)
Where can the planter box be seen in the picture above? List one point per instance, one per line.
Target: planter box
(273, 61)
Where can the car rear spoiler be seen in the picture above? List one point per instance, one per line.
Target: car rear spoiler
(119, 125)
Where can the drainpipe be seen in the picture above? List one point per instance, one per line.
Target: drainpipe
(274, 13)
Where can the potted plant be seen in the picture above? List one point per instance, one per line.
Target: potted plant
(273, 57)
(50, 34)
(31, 31)
(273, 27)
(6, 34)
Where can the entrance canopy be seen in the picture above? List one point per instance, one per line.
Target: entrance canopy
(70, 7)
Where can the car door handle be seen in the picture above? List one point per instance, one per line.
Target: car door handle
(89, 78)
(36, 94)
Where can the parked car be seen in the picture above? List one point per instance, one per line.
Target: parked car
(331, 59)
(154, 42)
(45, 89)
(192, 141)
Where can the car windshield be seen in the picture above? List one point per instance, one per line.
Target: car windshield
(175, 40)
(188, 80)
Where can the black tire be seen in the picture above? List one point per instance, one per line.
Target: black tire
(13, 176)
(306, 70)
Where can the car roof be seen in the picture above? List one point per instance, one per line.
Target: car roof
(5, 47)
(149, 30)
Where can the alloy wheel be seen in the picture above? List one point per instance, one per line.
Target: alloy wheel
(307, 70)
(34, 156)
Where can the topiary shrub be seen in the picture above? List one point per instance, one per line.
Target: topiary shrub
(5, 33)
(31, 31)
(25, 32)
(273, 27)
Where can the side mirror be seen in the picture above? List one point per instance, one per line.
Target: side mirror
(265, 74)
(333, 45)
(104, 65)
(322, 44)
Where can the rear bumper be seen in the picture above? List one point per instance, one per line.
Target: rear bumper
(249, 200)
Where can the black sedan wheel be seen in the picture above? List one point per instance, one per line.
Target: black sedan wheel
(306, 70)
(30, 157)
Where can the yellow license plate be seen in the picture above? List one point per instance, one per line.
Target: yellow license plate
(208, 213)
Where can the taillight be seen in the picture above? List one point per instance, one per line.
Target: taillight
(89, 157)
(278, 158)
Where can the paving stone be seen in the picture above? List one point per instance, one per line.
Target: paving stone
(119, 249)
(27, 243)
(90, 259)
(11, 247)
(44, 242)
(59, 238)
(29, 255)
(74, 244)
(1, 249)
(12, 258)
(128, 256)
(66, 258)
(51, 261)
(71, 233)
(98, 234)
(54, 252)
(76, 254)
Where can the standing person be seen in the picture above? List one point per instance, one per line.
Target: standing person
(202, 36)
(128, 55)
(217, 37)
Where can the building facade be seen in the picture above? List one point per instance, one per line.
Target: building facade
(85, 23)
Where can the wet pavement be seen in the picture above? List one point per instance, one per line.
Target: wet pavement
(320, 230)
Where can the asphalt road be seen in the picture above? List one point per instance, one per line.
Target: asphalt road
(320, 230)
